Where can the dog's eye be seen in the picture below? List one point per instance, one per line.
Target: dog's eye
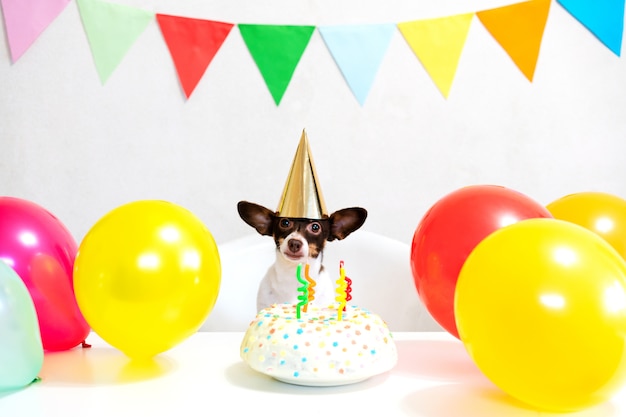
(285, 223)
(315, 228)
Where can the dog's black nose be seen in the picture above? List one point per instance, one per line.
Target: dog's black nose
(294, 245)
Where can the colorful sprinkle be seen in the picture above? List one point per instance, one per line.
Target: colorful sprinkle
(326, 348)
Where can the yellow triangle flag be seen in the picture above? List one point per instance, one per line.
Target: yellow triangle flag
(518, 29)
(438, 44)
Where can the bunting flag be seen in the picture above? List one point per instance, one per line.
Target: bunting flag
(358, 51)
(111, 30)
(276, 50)
(438, 44)
(605, 19)
(518, 29)
(192, 44)
(25, 21)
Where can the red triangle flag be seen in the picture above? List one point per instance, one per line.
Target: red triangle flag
(192, 43)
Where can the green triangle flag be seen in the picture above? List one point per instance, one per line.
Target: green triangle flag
(276, 50)
(111, 30)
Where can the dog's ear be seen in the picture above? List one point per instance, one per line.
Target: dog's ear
(257, 216)
(345, 221)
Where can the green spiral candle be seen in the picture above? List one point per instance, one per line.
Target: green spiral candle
(303, 290)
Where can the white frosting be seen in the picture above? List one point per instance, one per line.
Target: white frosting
(317, 348)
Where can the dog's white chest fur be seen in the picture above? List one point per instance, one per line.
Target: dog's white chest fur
(280, 283)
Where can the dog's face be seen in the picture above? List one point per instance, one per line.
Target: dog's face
(298, 239)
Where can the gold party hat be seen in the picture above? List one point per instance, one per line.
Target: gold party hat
(302, 196)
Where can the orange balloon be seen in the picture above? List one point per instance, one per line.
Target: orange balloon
(602, 213)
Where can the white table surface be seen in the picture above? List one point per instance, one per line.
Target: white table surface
(204, 376)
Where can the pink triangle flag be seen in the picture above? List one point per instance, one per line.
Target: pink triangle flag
(25, 20)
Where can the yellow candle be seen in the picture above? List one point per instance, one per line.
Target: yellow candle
(341, 291)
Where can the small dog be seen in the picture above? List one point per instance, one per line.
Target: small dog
(298, 241)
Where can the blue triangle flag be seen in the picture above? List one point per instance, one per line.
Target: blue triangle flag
(605, 19)
(358, 51)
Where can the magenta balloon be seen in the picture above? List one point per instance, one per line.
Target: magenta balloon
(41, 250)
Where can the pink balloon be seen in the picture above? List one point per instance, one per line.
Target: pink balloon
(41, 250)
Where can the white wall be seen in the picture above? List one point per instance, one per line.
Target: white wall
(81, 149)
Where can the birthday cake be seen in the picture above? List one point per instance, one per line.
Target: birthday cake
(321, 347)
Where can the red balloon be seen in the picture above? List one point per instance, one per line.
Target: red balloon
(41, 251)
(450, 230)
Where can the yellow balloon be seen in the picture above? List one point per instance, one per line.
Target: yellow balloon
(541, 308)
(146, 276)
(602, 213)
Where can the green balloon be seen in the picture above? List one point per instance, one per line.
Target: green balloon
(21, 348)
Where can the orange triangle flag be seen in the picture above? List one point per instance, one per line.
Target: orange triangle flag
(438, 44)
(518, 29)
(192, 43)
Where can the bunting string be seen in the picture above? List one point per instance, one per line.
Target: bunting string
(358, 50)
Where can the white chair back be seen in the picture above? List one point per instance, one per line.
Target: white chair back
(378, 266)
